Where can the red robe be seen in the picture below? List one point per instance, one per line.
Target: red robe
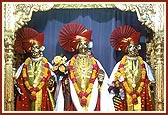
(23, 101)
(146, 102)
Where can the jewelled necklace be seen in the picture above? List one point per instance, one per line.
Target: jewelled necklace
(32, 89)
(83, 95)
(122, 73)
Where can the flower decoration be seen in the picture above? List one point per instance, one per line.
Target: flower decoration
(120, 80)
(59, 65)
(34, 90)
(121, 93)
(83, 94)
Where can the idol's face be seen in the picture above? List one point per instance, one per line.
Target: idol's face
(83, 47)
(132, 50)
(36, 51)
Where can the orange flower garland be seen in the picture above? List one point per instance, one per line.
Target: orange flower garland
(83, 95)
(32, 89)
(121, 72)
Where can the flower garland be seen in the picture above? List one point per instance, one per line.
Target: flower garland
(121, 73)
(81, 94)
(34, 90)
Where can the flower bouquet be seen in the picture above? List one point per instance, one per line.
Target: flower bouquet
(59, 65)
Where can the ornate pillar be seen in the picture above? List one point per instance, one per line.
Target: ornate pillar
(159, 96)
(8, 80)
(160, 56)
(8, 39)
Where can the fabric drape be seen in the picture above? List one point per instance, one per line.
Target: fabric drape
(101, 21)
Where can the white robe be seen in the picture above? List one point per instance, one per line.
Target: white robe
(106, 103)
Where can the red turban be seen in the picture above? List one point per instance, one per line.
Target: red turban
(71, 34)
(122, 36)
(24, 36)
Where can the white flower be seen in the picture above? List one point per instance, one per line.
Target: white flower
(90, 45)
(121, 93)
(112, 92)
(120, 78)
(64, 60)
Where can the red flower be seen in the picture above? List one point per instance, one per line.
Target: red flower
(24, 66)
(70, 67)
(137, 93)
(142, 80)
(75, 55)
(92, 80)
(46, 65)
(44, 79)
(95, 67)
(85, 94)
(121, 66)
(90, 56)
(143, 65)
(33, 98)
(135, 101)
(83, 101)
(73, 80)
(81, 94)
(131, 93)
(36, 89)
(25, 78)
(31, 89)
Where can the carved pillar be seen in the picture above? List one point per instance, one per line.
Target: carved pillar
(8, 81)
(159, 96)
(150, 55)
(159, 51)
(8, 39)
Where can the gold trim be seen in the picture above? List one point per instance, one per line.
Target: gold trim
(15, 15)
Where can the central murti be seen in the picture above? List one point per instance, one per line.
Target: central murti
(83, 74)
(83, 70)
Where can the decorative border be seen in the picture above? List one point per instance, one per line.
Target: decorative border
(146, 12)
(15, 15)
